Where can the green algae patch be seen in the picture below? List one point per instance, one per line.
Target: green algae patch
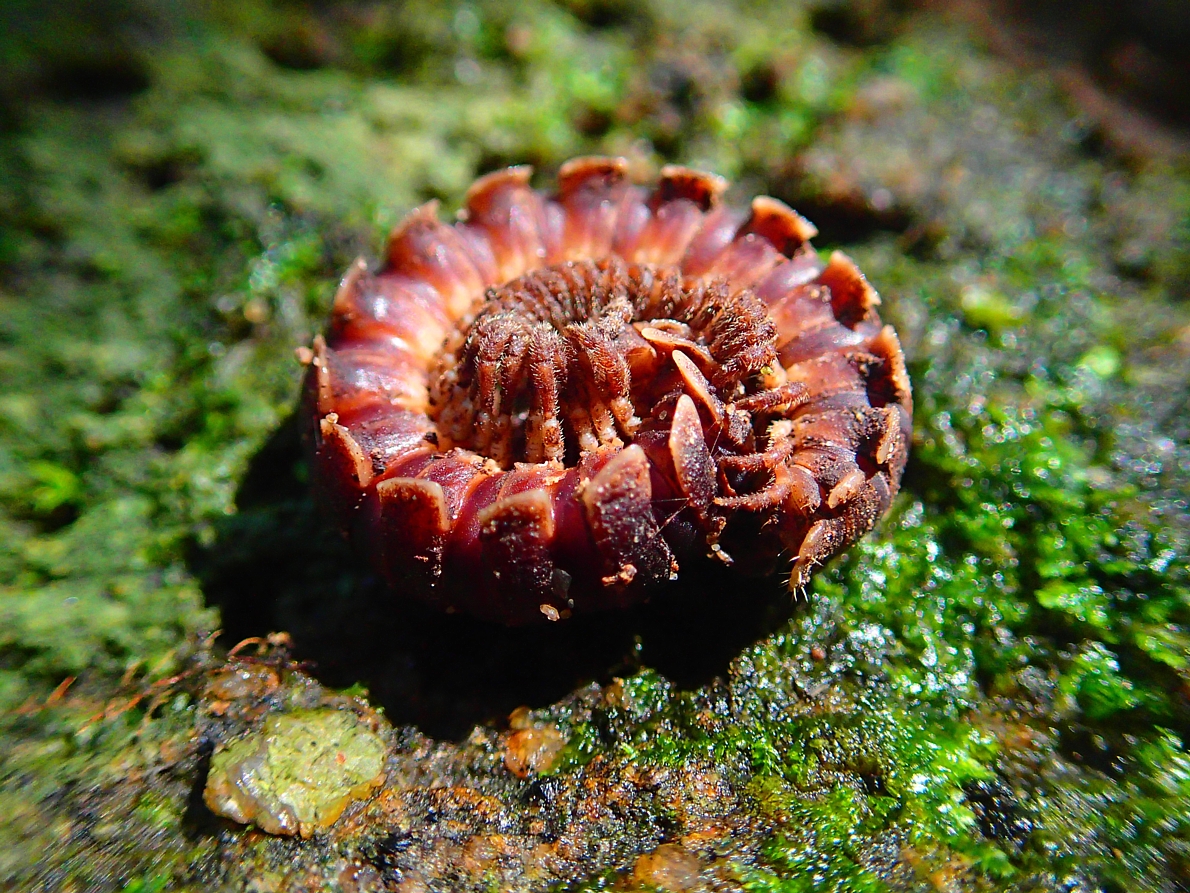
(298, 773)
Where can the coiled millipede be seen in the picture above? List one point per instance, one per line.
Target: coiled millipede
(554, 403)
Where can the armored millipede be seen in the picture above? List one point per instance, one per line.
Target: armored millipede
(557, 402)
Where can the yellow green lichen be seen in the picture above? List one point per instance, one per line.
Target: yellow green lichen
(297, 774)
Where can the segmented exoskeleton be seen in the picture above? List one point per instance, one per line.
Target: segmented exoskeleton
(549, 405)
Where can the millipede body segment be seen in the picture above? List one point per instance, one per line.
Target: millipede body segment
(557, 402)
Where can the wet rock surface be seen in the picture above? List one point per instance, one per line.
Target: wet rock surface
(992, 692)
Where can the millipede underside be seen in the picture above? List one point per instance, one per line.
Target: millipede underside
(554, 403)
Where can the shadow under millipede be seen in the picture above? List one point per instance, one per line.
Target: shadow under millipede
(276, 566)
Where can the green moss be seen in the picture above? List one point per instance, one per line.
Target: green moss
(153, 884)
